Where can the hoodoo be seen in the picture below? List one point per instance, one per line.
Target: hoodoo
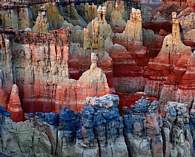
(14, 105)
(97, 78)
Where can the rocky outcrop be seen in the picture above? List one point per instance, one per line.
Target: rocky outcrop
(116, 19)
(42, 74)
(98, 33)
(42, 23)
(38, 68)
(9, 18)
(187, 20)
(92, 82)
(191, 4)
(186, 92)
(133, 29)
(189, 36)
(94, 78)
(55, 19)
(90, 11)
(99, 130)
(96, 131)
(6, 73)
(72, 16)
(170, 63)
(55, 74)
(14, 105)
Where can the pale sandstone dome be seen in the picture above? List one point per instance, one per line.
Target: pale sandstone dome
(93, 76)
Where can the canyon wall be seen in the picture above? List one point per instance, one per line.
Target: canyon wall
(39, 67)
(52, 67)
(99, 130)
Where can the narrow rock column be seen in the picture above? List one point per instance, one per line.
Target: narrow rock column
(14, 105)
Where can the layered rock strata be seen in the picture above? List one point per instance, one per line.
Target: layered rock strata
(72, 94)
(169, 66)
(42, 74)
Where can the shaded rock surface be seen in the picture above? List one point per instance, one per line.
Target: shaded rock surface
(100, 130)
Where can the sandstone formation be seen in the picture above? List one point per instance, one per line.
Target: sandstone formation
(186, 92)
(9, 18)
(24, 18)
(133, 29)
(90, 11)
(99, 130)
(41, 24)
(189, 3)
(116, 18)
(52, 62)
(55, 19)
(172, 60)
(72, 16)
(72, 94)
(66, 57)
(14, 105)
(98, 32)
(187, 21)
(41, 67)
(94, 79)
(42, 128)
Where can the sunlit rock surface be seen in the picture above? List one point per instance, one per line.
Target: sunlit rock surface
(54, 55)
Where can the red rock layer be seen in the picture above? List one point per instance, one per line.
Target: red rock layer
(128, 66)
(186, 88)
(14, 105)
(78, 64)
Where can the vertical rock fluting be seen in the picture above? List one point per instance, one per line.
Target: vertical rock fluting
(99, 130)
(69, 133)
(6, 75)
(40, 67)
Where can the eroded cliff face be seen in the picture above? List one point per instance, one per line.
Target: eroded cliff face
(58, 60)
(42, 63)
(39, 66)
(99, 130)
